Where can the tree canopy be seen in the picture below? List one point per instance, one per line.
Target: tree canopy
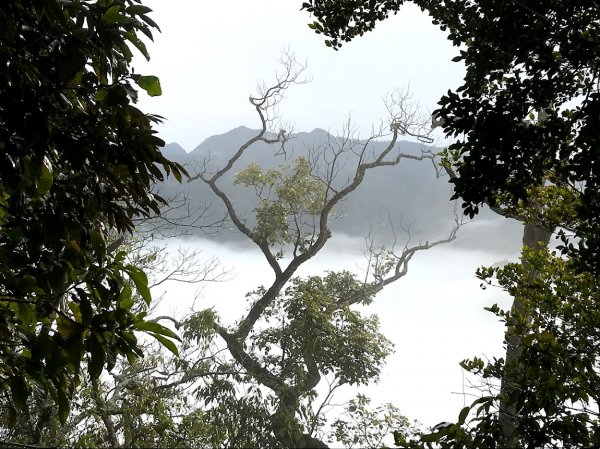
(530, 101)
(77, 162)
(300, 331)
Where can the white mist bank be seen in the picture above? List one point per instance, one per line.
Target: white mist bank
(434, 316)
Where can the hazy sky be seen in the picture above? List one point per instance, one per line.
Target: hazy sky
(210, 56)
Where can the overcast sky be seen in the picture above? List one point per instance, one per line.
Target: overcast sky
(210, 56)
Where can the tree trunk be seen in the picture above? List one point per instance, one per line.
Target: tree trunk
(104, 415)
(286, 427)
(533, 237)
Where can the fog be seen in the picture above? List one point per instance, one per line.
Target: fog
(434, 315)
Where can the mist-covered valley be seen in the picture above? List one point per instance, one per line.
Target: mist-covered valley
(432, 314)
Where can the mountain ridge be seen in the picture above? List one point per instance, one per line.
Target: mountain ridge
(389, 199)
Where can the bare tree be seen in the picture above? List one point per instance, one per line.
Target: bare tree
(295, 205)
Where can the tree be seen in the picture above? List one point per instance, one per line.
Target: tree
(139, 402)
(533, 396)
(77, 163)
(365, 428)
(555, 375)
(550, 205)
(298, 331)
(523, 58)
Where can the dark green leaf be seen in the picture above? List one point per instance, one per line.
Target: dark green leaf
(45, 179)
(12, 416)
(27, 314)
(149, 326)
(169, 344)
(19, 392)
(151, 84)
(138, 9)
(430, 437)
(462, 416)
(132, 37)
(97, 357)
(140, 280)
(63, 405)
(113, 16)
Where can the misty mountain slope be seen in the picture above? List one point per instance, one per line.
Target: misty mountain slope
(408, 195)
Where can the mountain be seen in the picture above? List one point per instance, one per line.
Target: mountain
(391, 202)
(175, 152)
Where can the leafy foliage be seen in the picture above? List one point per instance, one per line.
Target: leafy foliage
(141, 402)
(365, 428)
(309, 331)
(77, 161)
(312, 323)
(296, 195)
(194, 399)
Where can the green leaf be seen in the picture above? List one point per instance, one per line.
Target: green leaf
(44, 182)
(169, 344)
(18, 389)
(132, 37)
(112, 16)
(101, 94)
(12, 417)
(462, 416)
(63, 405)
(130, 357)
(97, 358)
(125, 294)
(72, 351)
(151, 84)
(98, 243)
(138, 9)
(430, 437)
(127, 304)
(85, 309)
(399, 440)
(149, 326)
(65, 327)
(140, 280)
(27, 314)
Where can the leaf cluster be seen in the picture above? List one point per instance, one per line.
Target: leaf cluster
(287, 195)
(361, 426)
(313, 323)
(77, 160)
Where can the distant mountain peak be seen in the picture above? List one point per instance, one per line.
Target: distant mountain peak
(174, 151)
(240, 128)
(239, 134)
